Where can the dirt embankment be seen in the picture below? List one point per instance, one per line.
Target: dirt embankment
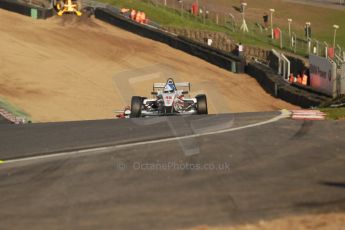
(331, 221)
(69, 68)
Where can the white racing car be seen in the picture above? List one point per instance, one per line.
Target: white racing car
(168, 101)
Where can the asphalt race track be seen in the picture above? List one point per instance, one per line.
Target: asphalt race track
(222, 169)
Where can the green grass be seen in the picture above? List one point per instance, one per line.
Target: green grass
(334, 113)
(321, 19)
(172, 18)
(13, 109)
(162, 15)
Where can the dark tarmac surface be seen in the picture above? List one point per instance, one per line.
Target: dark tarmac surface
(41, 138)
(261, 172)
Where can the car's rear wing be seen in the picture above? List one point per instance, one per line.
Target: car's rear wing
(177, 84)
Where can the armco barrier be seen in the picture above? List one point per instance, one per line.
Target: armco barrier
(229, 62)
(21, 8)
(276, 86)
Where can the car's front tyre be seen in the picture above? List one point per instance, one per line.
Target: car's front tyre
(136, 104)
(201, 104)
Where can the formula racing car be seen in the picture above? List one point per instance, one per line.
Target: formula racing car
(168, 100)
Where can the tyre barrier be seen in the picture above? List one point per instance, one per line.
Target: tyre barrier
(276, 86)
(31, 11)
(209, 54)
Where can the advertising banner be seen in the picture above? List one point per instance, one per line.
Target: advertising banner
(323, 73)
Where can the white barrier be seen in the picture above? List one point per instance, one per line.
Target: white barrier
(287, 67)
(284, 66)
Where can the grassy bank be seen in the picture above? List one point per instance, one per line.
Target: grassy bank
(322, 19)
(170, 17)
(162, 15)
(334, 113)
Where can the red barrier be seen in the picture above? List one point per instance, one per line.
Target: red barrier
(276, 33)
(330, 52)
(195, 9)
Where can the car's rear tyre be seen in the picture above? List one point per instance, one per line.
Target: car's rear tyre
(136, 104)
(89, 11)
(201, 104)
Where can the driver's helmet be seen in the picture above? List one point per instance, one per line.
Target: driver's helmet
(169, 87)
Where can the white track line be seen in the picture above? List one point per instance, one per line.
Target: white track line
(284, 114)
